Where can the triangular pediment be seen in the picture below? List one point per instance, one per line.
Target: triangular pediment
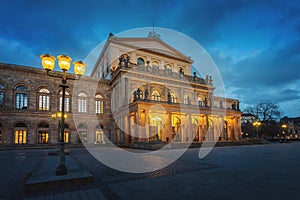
(154, 45)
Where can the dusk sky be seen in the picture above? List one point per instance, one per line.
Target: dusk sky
(255, 44)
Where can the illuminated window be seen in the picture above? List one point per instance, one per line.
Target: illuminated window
(67, 101)
(99, 137)
(20, 133)
(82, 100)
(21, 97)
(155, 96)
(44, 99)
(169, 67)
(140, 61)
(43, 137)
(1, 95)
(155, 64)
(66, 137)
(186, 99)
(173, 98)
(99, 104)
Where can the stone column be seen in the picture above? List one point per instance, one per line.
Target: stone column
(146, 127)
(207, 135)
(168, 126)
(189, 124)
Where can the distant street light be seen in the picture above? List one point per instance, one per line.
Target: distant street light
(284, 126)
(64, 62)
(257, 124)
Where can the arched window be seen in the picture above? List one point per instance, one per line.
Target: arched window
(155, 95)
(174, 98)
(21, 97)
(20, 135)
(44, 99)
(1, 95)
(82, 102)
(181, 70)
(140, 61)
(186, 99)
(169, 67)
(155, 64)
(99, 104)
(67, 101)
(200, 102)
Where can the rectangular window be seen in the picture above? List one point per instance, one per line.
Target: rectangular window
(43, 137)
(82, 105)
(66, 137)
(21, 101)
(44, 103)
(20, 136)
(82, 136)
(67, 104)
(99, 107)
(1, 99)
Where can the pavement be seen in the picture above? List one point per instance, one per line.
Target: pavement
(269, 171)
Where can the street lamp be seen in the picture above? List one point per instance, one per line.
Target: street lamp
(64, 62)
(257, 124)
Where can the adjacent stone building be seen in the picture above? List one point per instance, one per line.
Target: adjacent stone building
(141, 90)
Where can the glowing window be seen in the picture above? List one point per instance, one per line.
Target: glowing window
(155, 96)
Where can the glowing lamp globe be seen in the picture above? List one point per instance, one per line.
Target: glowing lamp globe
(48, 62)
(64, 62)
(79, 68)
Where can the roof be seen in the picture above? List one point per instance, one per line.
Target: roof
(151, 44)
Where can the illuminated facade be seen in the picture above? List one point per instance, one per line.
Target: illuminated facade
(141, 90)
(155, 97)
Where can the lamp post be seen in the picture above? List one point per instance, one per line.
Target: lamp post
(257, 124)
(64, 62)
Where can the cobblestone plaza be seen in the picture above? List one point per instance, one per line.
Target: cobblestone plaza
(238, 172)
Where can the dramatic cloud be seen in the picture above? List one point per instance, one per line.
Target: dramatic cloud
(255, 44)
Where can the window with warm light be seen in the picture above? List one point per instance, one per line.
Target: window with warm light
(155, 64)
(67, 101)
(169, 67)
(44, 99)
(21, 97)
(174, 98)
(66, 137)
(99, 104)
(1, 95)
(186, 99)
(20, 133)
(155, 95)
(82, 102)
(43, 137)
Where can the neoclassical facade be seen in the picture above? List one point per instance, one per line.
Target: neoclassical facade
(156, 97)
(141, 90)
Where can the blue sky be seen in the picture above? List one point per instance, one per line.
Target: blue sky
(255, 44)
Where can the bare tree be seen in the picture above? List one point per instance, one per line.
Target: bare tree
(266, 113)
